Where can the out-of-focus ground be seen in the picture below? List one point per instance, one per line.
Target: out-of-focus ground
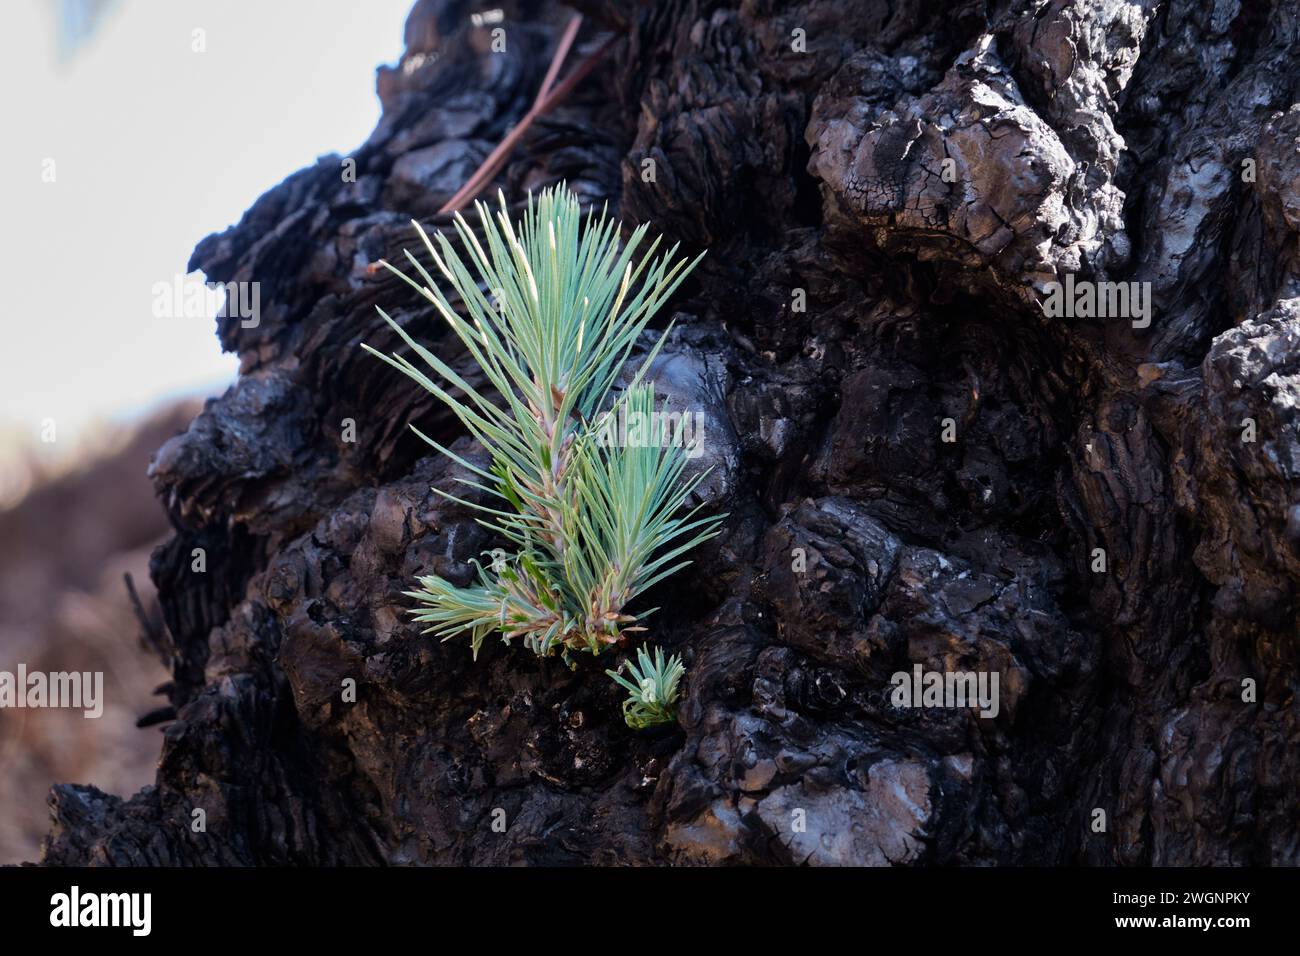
(76, 510)
(64, 549)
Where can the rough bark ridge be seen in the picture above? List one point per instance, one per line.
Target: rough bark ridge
(1101, 138)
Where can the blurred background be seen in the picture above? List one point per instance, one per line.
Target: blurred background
(132, 129)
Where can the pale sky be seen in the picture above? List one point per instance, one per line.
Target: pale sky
(154, 146)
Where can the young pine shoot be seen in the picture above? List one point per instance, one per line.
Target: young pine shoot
(652, 691)
(555, 305)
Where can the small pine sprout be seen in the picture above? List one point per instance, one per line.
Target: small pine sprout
(555, 305)
(652, 691)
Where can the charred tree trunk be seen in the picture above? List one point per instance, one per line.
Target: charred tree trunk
(920, 464)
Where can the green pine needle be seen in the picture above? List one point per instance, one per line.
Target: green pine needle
(554, 307)
(652, 691)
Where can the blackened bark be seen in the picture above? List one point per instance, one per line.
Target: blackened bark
(920, 174)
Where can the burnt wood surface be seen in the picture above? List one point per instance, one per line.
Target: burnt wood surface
(1099, 138)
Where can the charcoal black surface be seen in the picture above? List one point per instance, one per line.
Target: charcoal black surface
(1103, 138)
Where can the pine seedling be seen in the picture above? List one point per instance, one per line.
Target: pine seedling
(652, 691)
(555, 307)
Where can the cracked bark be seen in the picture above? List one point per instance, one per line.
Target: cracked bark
(1102, 138)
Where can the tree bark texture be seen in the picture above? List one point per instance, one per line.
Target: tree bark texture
(1112, 140)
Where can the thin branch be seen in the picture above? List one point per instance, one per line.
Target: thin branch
(557, 60)
(547, 99)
